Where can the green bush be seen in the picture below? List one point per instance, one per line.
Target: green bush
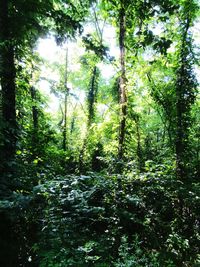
(136, 220)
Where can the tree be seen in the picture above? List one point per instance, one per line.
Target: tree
(122, 81)
(7, 79)
(96, 53)
(186, 85)
(21, 23)
(174, 88)
(66, 93)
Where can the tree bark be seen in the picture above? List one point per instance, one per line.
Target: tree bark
(35, 148)
(122, 82)
(92, 97)
(139, 146)
(34, 108)
(65, 104)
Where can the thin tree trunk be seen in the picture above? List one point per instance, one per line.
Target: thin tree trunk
(92, 97)
(180, 143)
(122, 82)
(35, 123)
(73, 120)
(65, 104)
(123, 113)
(34, 108)
(139, 146)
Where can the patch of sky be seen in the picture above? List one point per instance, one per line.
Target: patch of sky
(51, 53)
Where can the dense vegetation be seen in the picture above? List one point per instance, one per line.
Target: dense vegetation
(111, 178)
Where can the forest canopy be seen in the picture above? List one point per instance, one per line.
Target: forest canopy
(99, 133)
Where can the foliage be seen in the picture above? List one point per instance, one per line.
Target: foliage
(82, 204)
(150, 222)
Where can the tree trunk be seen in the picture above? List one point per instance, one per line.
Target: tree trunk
(34, 108)
(92, 97)
(122, 82)
(91, 114)
(65, 104)
(7, 80)
(9, 247)
(139, 146)
(184, 96)
(180, 140)
(35, 123)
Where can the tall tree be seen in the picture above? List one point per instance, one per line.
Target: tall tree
(33, 92)
(122, 81)
(97, 52)
(186, 85)
(126, 16)
(66, 93)
(7, 80)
